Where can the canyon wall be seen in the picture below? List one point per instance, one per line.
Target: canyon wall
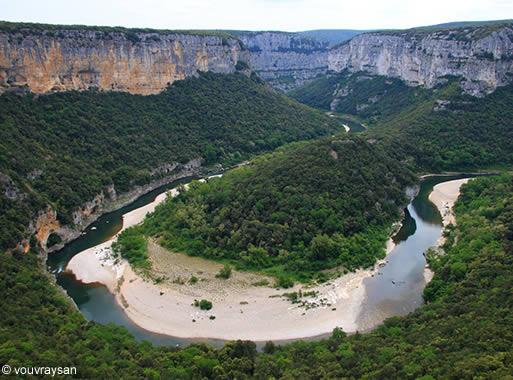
(285, 60)
(135, 62)
(482, 56)
(146, 62)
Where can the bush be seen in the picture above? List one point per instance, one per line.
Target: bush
(203, 304)
(132, 246)
(225, 272)
(193, 280)
(284, 282)
(263, 282)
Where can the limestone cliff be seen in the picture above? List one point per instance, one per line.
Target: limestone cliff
(46, 222)
(54, 58)
(482, 56)
(286, 60)
(109, 59)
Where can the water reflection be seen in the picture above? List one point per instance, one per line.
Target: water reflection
(396, 290)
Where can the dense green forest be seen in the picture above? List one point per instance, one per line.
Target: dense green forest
(464, 330)
(452, 131)
(372, 98)
(301, 209)
(438, 129)
(293, 213)
(63, 149)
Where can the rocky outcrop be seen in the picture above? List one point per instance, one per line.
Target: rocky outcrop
(47, 223)
(135, 62)
(10, 190)
(483, 57)
(286, 60)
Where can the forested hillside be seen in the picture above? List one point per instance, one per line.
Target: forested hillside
(370, 97)
(451, 131)
(439, 128)
(304, 208)
(63, 149)
(464, 331)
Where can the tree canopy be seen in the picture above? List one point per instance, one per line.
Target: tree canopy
(63, 149)
(438, 129)
(301, 209)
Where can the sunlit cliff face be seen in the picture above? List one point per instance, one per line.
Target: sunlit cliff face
(78, 60)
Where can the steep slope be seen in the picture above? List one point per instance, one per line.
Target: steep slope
(481, 55)
(78, 151)
(304, 208)
(285, 60)
(48, 58)
(367, 96)
(454, 131)
(439, 128)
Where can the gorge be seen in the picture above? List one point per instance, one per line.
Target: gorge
(326, 141)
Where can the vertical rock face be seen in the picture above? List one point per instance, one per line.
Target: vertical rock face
(139, 63)
(146, 62)
(286, 60)
(483, 57)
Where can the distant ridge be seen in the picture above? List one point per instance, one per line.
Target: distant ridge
(332, 36)
(462, 24)
(337, 36)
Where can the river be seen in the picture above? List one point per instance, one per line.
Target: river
(395, 290)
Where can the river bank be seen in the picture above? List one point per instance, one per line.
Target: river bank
(241, 310)
(88, 213)
(97, 264)
(443, 196)
(168, 307)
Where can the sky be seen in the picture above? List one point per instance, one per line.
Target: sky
(286, 15)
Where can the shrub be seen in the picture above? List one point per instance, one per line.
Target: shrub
(284, 282)
(225, 272)
(193, 280)
(132, 246)
(203, 304)
(261, 283)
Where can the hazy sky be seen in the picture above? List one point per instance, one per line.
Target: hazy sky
(289, 15)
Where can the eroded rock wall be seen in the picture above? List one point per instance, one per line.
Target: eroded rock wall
(483, 59)
(286, 60)
(138, 63)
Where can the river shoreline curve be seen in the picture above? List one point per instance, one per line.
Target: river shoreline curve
(168, 309)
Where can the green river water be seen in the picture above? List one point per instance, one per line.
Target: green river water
(396, 290)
